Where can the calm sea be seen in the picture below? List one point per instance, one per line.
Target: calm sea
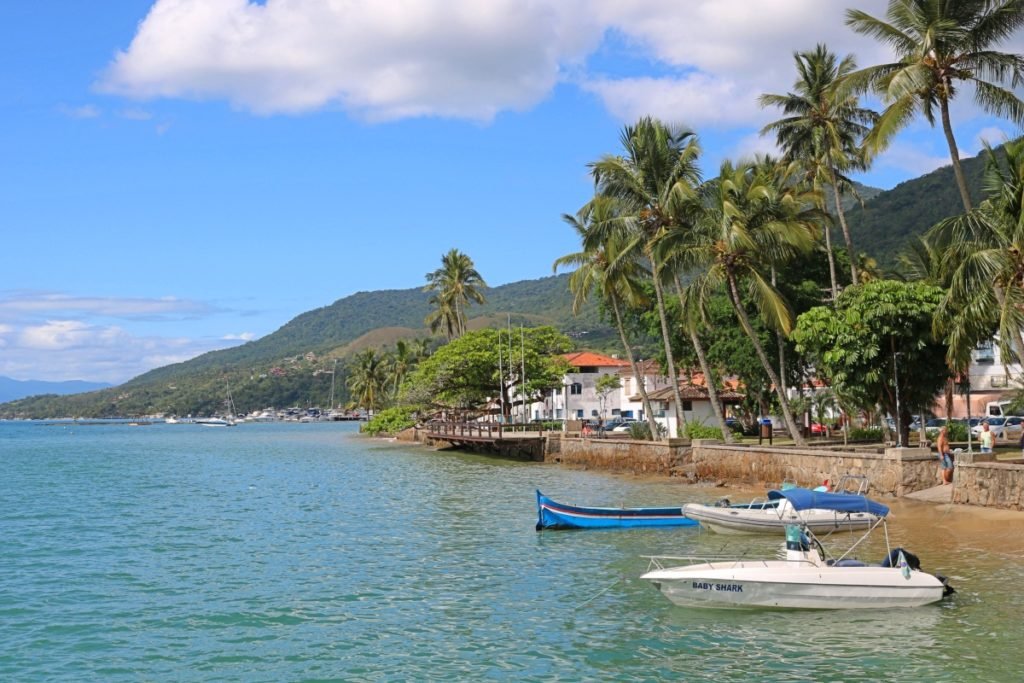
(288, 552)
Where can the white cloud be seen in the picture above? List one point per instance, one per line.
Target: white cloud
(85, 111)
(914, 160)
(993, 135)
(381, 61)
(136, 114)
(19, 304)
(62, 349)
(696, 100)
(244, 336)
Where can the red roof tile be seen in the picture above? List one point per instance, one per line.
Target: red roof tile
(582, 359)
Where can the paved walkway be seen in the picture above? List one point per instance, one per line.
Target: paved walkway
(936, 494)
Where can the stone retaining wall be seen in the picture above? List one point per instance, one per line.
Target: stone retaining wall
(894, 471)
(619, 455)
(992, 484)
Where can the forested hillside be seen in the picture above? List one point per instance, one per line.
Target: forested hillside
(294, 365)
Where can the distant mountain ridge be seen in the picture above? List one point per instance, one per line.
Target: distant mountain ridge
(294, 364)
(13, 389)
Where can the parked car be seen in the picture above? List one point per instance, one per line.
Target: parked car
(1002, 427)
(624, 425)
(818, 429)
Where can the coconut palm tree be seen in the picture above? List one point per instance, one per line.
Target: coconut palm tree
(938, 44)
(984, 251)
(823, 129)
(604, 267)
(368, 379)
(403, 360)
(754, 216)
(455, 284)
(652, 184)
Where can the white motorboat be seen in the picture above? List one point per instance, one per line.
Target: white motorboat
(806, 578)
(774, 518)
(215, 422)
(773, 515)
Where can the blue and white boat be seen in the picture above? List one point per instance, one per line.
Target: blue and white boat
(807, 577)
(553, 515)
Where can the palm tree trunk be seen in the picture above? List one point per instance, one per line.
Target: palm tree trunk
(846, 230)
(637, 373)
(780, 391)
(958, 171)
(831, 264)
(716, 404)
(673, 378)
(781, 341)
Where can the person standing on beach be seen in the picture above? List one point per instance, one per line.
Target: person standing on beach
(987, 438)
(945, 456)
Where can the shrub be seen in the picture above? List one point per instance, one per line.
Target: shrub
(957, 431)
(641, 431)
(699, 430)
(390, 421)
(866, 434)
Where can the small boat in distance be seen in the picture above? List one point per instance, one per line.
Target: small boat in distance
(214, 422)
(806, 578)
(552, 515)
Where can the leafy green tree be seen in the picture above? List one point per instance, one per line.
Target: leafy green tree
(454, 285)
(876, 333)
(604, 267)
(822, 129)
(653, 184)
(754, 216)
(938, 44)
(464, 374)
(606, 384)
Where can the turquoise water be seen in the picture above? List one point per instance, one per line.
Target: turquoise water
(287, 552)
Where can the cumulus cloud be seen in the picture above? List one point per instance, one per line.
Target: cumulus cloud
(453, 58)
(244, 336)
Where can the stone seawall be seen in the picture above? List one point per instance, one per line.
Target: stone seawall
(991, 484)
(894, 471)
(619, 455)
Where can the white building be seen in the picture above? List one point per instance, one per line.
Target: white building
(990, 380)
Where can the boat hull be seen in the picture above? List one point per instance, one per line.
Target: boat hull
(553, 515)
(771, 520)
(783, 585)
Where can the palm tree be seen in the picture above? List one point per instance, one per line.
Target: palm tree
(938, 43)
(455, 284)
(754, 216)
(984, 251)
(823, 129)
(603, 266)
(403, 360)
(368, 379)
(652, 184)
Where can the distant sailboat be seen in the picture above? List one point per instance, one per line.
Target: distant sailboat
(226, 421)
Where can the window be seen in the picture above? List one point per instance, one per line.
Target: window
(984, 353)
(688, 405)
(999, 381)
(576, 389)
(579, 414)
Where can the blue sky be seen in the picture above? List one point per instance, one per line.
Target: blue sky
(184, 175)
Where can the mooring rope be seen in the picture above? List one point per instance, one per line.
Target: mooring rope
(600, 593)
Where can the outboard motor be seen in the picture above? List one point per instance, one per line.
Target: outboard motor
(797, 543)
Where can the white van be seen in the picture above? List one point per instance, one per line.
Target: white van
(997, 408)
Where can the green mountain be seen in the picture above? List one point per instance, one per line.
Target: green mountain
(295, 365)
(884, 225)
